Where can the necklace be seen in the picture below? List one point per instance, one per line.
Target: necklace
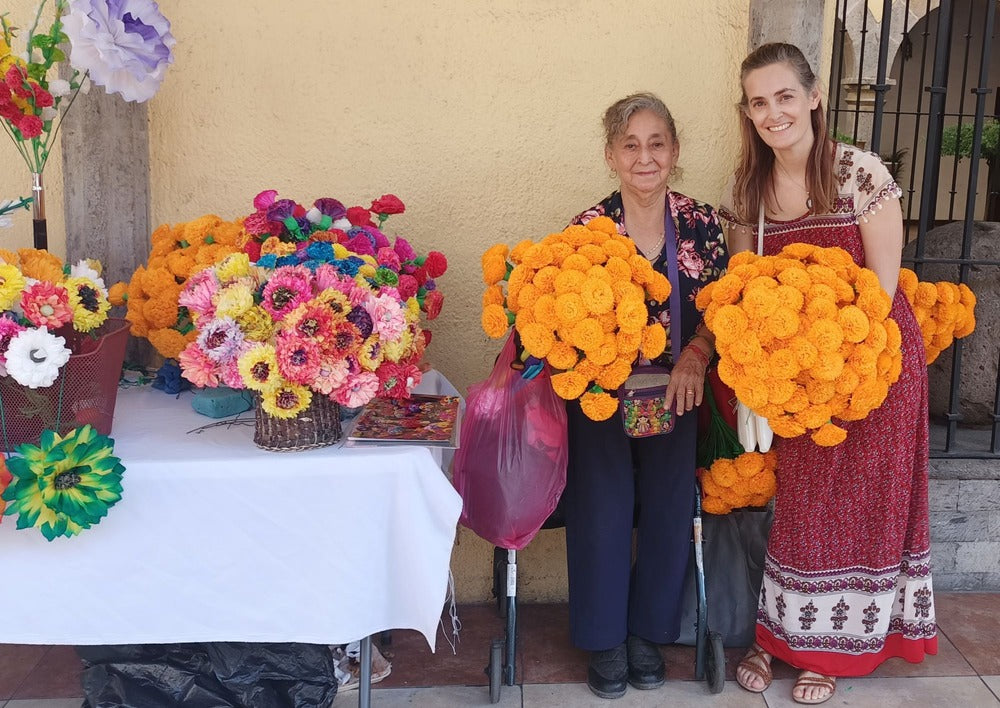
(809, 201)
(653, 253)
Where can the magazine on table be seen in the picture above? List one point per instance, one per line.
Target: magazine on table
(421, 419)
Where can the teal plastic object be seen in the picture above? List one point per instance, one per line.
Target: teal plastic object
(221, 402)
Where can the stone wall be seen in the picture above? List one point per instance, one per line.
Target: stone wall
(965, 524)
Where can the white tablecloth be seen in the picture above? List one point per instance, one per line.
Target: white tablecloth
(217, 540)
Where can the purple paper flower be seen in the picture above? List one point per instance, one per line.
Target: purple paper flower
(362, 320)
(404, 249)
(124, 44)
(280, 210)
(330, 207)
(265, 199)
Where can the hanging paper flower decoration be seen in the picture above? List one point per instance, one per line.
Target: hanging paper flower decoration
(65, 484)
(125, 45)
(34, 357)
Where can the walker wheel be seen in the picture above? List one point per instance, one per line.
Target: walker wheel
(716, 663)
(495, 669)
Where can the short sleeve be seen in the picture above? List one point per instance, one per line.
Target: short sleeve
(727, 210)
(872, 184)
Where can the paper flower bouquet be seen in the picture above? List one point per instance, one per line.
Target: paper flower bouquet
(177, 252)
(803, 337)
(746, 480)
(578, 301)
(945, 311)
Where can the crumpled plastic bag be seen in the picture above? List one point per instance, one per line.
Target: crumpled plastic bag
(213, 675)
(510, 467)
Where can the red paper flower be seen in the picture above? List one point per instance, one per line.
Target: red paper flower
(43, 99)
(436, 264)
(432, 304)
(30, 126)
(359, 216)
(407, 286)
(388, 204)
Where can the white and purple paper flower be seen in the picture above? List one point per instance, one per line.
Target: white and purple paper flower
(126, 45)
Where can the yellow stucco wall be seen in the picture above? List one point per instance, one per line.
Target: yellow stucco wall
(484, 117)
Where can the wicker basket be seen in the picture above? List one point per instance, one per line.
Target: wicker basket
(85, 391)
(316, 426)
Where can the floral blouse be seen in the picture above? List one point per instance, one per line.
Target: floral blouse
(701, 257)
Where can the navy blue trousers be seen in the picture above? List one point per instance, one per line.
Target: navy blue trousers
(610, 476)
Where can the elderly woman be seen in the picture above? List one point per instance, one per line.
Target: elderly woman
(621, 608)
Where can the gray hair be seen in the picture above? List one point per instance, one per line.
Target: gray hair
(618, 114)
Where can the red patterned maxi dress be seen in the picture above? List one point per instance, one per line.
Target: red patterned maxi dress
(847, 579)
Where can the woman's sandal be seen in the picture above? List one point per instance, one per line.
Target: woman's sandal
(817, 681)
(756, 665)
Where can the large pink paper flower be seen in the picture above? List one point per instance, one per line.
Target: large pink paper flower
(199, 292)
(221, 339)
(288, 288)
(8, 330)
(332, 375)
(358, 390)
(46, 305)
(387, 316)
(197, 367)
(298, 358)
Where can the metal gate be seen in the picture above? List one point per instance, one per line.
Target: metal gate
(917, 82)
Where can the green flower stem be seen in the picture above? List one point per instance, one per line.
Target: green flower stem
(34, 26)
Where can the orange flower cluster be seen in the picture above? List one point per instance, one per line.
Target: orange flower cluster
(177, 253)
(578, 300)
(804, 337)
(747, 480)
(944, 311)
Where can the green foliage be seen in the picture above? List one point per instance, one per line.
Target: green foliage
(959, 143)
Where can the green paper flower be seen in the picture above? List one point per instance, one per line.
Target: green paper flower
(65, 484)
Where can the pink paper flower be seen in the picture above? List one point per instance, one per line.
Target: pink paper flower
(298, 358)
(332, 375)
(387, 316)
(221, 340)
(358, 390)
(46, 305)
(288, 288)
(197, 367)
(397, 380)
(199, 292)
(8, 330)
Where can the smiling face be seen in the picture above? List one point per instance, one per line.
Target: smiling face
(644, 154)
(780, 106)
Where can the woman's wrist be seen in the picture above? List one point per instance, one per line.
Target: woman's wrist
(698, 353)
(705, 348)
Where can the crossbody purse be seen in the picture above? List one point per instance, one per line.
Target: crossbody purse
(643, 395)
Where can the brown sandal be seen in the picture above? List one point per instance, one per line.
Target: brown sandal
(828, 682)
(755, 663)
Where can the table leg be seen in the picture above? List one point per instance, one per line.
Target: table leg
(365, 680)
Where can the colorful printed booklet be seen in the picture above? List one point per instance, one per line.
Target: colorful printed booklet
(419, 420)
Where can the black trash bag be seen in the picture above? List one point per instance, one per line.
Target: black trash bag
(213, 675)
(733, 546)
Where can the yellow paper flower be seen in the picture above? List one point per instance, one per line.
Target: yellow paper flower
(493, 295)
(829, 435)
(11, 285)
(569, 385)
(598, 406)
(654, 341)
(286, 400)
(537, 339)
(587, 334)
(562, 356)
(597, 296)
(494, 321)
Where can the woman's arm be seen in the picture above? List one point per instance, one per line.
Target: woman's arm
(882, 237)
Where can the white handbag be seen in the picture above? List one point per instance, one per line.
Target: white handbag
(752, 430)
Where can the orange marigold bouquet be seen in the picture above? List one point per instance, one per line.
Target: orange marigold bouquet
(945, 311)
(747, 480)
(804, 336)
(177, 252)
(578, 301)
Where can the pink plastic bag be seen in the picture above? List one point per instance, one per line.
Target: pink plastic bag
(510, 468)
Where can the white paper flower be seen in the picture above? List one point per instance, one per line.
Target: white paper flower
(83, 269)
(124, 44)
(59, 88)
(35, 356)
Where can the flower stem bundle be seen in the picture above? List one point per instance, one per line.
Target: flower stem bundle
(945, 311)
(578, 301)
(804, 337)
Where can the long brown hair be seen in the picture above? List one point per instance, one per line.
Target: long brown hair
(753, 182)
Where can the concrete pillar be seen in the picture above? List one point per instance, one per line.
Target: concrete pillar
(798, 22)
(105, 147)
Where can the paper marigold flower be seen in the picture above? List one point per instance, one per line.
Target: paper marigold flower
(569, 281)
(874, 303)
(524, 318)
(604, 224)
(826, 335)
(745, 349)
(494, 321)
(493, 295)
(494, 266)
(613, 376)
(654, 341)
(169, 342)
(783, 322)
(727, 289)
(597, 296)
(587, 334)
(569, 385)
(40, 265)
(537, 256)
(598, 406)
(658, 287)
(562, 356)
(631, 314)
(544, 309)
(606, 353)
(570, 308)
(537, 339)
(829, 435)
(628, 342)
(545, 279)
(619, 269)
(595, 254)
(615, 249)
(517, 253)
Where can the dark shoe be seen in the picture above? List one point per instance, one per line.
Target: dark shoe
(608, 672)
(645, 664)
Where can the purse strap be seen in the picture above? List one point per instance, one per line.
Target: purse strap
(670, 256)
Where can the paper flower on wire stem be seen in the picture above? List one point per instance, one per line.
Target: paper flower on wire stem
(65, 484)
(125, 45)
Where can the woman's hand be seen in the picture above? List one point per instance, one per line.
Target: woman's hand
(687, 382)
